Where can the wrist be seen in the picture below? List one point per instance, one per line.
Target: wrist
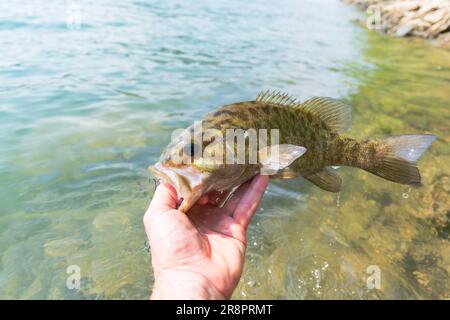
(184, 285)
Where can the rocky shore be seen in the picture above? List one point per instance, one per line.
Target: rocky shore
(429, 19)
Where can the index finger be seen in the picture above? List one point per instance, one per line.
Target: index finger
(248, 204)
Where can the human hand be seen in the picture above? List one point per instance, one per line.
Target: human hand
(200, 255)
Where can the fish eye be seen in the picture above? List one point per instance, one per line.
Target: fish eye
(190, 149)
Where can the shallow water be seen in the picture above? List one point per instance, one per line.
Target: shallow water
(85, 108)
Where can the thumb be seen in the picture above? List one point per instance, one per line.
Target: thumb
(164, 199)
(248, 204)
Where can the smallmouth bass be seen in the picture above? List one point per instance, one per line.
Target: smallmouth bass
(308, 141)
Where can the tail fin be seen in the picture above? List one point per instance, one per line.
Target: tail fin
(400, 156)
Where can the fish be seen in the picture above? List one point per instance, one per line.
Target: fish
(309, 140)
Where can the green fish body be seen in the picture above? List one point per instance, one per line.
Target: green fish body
(316, 125)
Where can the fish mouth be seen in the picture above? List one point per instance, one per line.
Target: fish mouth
(187, 181)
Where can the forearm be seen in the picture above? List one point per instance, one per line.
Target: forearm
(180, 285)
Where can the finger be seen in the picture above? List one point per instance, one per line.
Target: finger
(164, 199)
(233, 202)
(246, 207)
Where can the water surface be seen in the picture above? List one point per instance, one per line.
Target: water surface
(85, 108)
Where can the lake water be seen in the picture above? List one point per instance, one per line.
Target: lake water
(90, 92)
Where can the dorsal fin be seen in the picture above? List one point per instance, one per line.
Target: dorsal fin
(276, 97)
(336, 114)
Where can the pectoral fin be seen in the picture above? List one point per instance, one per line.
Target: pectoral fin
(326, 180)
(275, 158)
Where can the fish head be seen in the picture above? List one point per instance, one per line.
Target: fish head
(193, 163)
(188, 181)
(198, 161)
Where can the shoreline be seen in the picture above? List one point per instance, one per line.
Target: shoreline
(427, 19)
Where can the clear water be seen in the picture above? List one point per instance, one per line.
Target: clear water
(87, 104)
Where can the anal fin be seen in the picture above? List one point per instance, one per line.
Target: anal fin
(326, 180)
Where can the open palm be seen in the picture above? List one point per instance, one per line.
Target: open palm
(204, 249)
